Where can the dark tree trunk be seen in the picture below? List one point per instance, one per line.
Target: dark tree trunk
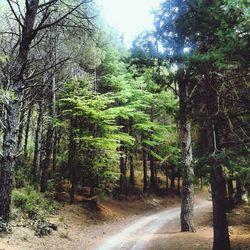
(72, 159)
(47, 161)
(46, 164)
(37, 152)
(123, 171)
(218, 186)
(152, 173)
(131, 157)
(8, 159)
(172, 181)
(12, 110)
(55, 146)
(178, 184)
(239, 191)
(167, 183)
(230, 190)
(27, 129)
(145, 175)
(132, 169)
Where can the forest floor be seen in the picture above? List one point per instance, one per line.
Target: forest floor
(88, 229)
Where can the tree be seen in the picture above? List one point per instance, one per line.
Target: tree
(36, 19)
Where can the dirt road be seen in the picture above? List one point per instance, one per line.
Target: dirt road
(138, 236)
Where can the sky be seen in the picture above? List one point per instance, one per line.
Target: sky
(129, 17)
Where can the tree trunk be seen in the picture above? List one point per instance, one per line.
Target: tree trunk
(132, 169)
(178, 184)
(123, 171)
(239, 191)
(47, 161)
(172, 181)
(37, 152)
(8, 159)
(230, 190)
(46, 164)
(144, 159)
(20, 131)
(55, 145)
(220, 225)
(152, 173)
(12, 110)
(167, 184)
(218, 187)
(72, 159)
(27, 129)
(187, 204)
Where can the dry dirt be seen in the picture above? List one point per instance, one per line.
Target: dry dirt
(81, 228)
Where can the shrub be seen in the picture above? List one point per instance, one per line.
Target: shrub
(32, 203)
(42, 228)
(5, 227)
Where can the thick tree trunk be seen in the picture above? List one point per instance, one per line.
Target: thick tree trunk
(218, 186)
(218, 183)
(145, 175)
(8, 159)
(38, 144)
(187, 204)
(12, 110)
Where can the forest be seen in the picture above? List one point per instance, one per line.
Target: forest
(84, 115)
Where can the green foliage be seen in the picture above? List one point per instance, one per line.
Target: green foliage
(32, 204)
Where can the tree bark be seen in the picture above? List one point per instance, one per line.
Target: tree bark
(220, 225)
(187, 204)
(12, 110)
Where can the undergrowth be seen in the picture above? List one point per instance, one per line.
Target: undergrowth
(35, 207)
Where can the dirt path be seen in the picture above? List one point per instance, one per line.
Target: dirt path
(137, 230)
(141, 233)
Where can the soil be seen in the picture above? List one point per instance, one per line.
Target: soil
(82, 227)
